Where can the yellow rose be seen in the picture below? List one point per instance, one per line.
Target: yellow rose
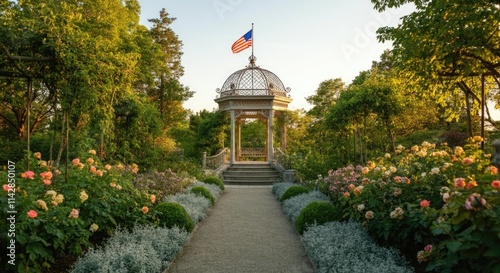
(94, 227)
(41, 204)
(59, 198)
(83, 196)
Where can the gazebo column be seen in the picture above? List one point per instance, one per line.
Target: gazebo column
(238, 143)
(232, 159)
(270, 137)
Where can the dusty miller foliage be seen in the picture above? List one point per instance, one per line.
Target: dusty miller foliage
(346, 247)
(143, 250)
(294, 205)
(196, 206)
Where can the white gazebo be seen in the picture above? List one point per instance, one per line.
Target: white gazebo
(253, 93)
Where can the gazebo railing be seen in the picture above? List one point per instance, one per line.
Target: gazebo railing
(282, 160)
(215, 162)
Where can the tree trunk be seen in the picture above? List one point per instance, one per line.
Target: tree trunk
(469, 118)
(61, 144)
(390, 136)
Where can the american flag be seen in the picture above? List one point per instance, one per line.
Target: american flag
(242, 43)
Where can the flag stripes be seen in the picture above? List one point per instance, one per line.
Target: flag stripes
(242, 43)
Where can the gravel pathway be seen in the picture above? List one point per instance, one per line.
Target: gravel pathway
(246, 231)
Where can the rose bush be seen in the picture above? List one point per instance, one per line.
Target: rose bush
(60, 213)
(439, 205)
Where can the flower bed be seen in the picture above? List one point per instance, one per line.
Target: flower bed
(438, 205)
(340, 247)
(146, 248)
(60, 214)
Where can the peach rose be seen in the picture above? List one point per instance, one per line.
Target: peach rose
(459, 182)
(145, 209)
(32, 214)
(75, 161)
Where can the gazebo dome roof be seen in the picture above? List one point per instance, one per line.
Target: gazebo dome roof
(253, 81)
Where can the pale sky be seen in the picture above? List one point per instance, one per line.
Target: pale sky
(302, 42)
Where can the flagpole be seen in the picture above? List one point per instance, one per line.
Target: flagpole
(253, 40)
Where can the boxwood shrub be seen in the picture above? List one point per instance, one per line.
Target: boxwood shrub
(295, 205)
(293, 191)
(200, 190)
(279, 188)
(316, 213)
(214, 180)
(173, 214)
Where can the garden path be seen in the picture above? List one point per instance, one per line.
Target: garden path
(246, 231)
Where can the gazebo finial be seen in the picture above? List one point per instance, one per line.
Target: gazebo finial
(252, 60)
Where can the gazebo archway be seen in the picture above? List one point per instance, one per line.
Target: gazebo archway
(254, 93)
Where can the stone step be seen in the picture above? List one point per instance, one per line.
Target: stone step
(250, 174)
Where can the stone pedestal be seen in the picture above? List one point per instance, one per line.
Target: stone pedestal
(289, 176)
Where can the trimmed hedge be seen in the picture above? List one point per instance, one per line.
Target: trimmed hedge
(293, 191)
(173, 214)
(316, 213)
(214, 180)
(279, 188)
(200, 190)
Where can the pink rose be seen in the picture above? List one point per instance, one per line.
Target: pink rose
(425, 203)
(6, 187)
(467, 161)
(428, 248)
(496, 184)
(74, 214)
(47, 182)
(32, 214)
(28, 175)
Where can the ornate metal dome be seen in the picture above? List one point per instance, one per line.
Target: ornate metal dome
(253, 81)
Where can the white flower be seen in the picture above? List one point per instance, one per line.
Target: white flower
(361, 207)
(435, 170)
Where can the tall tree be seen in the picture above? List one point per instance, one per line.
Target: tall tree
(167, 92)
(447, 43)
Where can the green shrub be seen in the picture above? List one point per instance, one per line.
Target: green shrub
(214, 180)
(293, 191)
(318, 212)
(173, 214)
(200, 190)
